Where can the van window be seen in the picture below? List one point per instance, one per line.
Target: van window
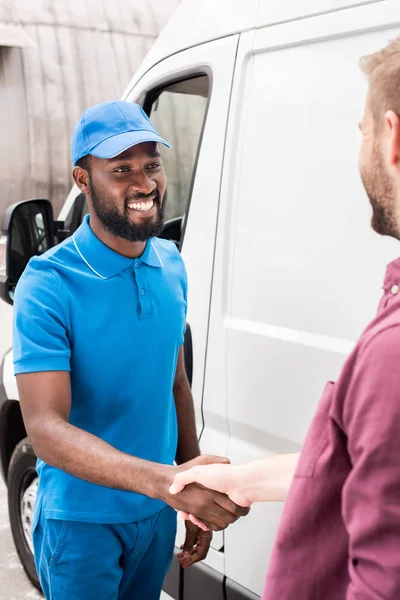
(178, 112)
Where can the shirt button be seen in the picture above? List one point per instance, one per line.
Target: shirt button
(142, 292)
(136, 264)
(395, 289)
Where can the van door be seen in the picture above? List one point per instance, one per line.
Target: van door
(187, 96)
(298, 272)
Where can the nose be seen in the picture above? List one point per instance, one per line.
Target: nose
(143, 183)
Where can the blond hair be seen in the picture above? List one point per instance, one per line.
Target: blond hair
(383, 70)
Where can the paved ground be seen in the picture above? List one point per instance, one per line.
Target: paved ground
(13, 582)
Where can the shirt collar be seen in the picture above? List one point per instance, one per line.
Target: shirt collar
(151, 255)
(104, 261)
(392, 277)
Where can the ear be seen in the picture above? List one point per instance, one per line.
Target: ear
(81, 178)
(392, 126)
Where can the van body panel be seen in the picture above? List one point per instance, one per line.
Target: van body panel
(194, 23)
(9, 380)
(352, 21)
(292, 290)
(270, 13)
(197, 22)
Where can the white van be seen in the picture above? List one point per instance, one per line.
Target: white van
(262, 100)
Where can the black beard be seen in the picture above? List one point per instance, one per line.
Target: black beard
(119, 224)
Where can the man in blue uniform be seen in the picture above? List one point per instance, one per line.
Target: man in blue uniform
(99, 327)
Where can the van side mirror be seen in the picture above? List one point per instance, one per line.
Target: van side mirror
(28, 230)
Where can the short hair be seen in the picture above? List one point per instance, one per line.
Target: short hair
(85, 162)
(383, 71)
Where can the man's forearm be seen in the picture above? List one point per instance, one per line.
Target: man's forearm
(188, 445)
(86, 456)
(83, 455)
(267, 479)
(262, 480)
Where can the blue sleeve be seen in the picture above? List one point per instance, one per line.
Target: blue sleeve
(40, 340)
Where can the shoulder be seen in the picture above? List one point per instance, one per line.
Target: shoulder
(374, 361)
(41, 283)
(370, 399)
(167, 247)
(172, 263)
(45, 268)
(168, 252)
(381, 348)
(374, 365)
(37, 275)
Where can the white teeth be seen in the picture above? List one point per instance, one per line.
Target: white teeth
(143, 206)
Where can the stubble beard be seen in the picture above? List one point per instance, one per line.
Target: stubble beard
(382, 196)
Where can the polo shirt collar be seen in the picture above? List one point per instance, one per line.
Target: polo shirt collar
(151, 254)
(104, 261)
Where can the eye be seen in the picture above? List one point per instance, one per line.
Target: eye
(154, 166)
(121, 170)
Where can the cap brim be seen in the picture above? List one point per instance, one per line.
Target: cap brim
(122, 141)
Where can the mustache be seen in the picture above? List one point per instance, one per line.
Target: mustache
(154, 195)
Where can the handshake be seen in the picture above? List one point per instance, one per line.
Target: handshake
(211, 494)
(204, 491)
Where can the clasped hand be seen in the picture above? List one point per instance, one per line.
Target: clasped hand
(204, 496)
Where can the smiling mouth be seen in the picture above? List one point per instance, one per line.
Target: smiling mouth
(142, 206)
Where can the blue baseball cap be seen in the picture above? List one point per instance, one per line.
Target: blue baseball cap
(107, 129)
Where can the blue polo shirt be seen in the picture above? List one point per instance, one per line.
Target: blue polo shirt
(117, 325)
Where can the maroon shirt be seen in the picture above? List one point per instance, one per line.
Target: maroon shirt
(339, 537)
